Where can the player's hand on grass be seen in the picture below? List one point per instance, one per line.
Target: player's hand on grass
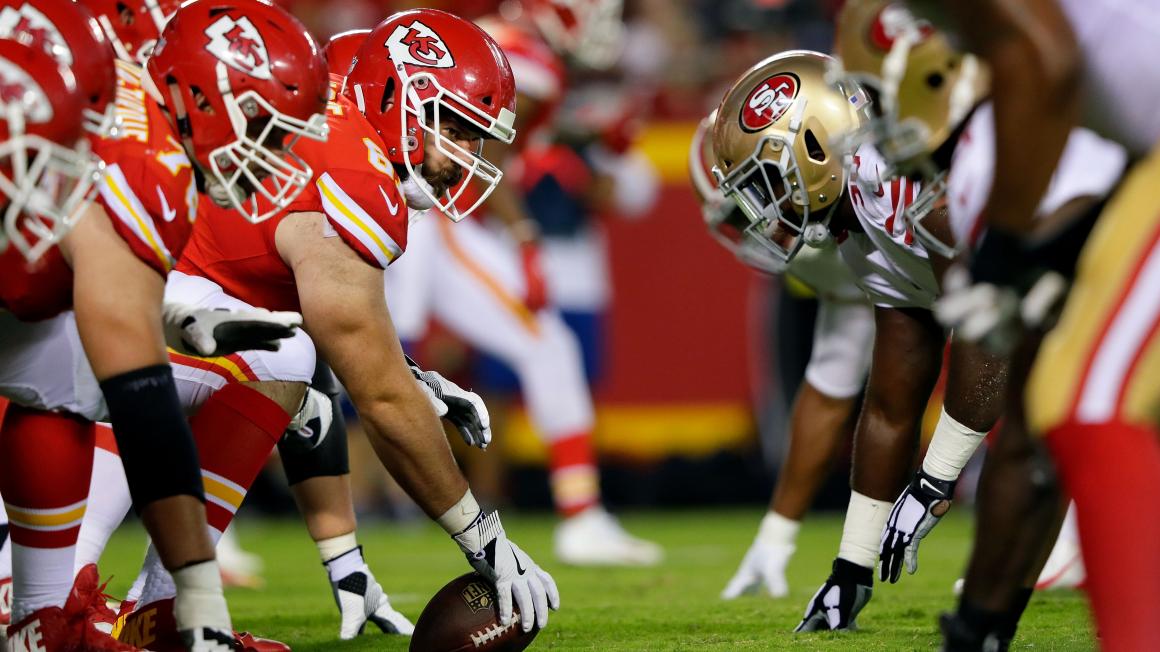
(515, 575)
(837, 603)
(212, 332)
(762, 568)
(463, 408)
(920, 507)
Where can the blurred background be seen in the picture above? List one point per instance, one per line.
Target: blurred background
(693, 358)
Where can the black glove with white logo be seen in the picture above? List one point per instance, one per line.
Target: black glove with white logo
(463, 408)
(836, 605)
(920, 507)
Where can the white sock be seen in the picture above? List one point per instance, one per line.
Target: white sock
(103, 516)
(200, 602)
(778, 530)
(42, 577)
(341, 556)
(950, 448)
(5, 545)
(862, 531)
(159, 584)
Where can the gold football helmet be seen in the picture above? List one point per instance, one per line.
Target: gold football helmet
(726, 223)
(925, 89)
(776, 142)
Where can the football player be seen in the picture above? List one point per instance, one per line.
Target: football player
(824, 408)
(490, 289)
(763, 174)
(101, 269)
(405, 134)
(931, 111)
(1093, 392)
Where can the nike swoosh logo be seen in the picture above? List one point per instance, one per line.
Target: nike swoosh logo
(519, 568)
(394, 208)
(167, 213)
(922, 482)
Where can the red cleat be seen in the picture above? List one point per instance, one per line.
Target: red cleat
(5, 601)
(73, 628)
(153, 626)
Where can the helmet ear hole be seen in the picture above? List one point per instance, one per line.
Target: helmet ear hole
(486, 100)
(935, 80)
(388, 93)
(814, 147)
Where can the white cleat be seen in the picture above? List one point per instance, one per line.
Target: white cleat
(360, 600)
(239, 568)
(595, 538)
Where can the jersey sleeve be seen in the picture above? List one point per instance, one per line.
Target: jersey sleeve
(368, 212)
(150, 205)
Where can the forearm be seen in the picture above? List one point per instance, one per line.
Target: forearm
(410, 442)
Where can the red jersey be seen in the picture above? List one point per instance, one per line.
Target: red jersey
(147, 192)
(354, 185)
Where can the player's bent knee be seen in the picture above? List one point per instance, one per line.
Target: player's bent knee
(153, 436)
(287, 394)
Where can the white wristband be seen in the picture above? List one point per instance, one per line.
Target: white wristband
(460, 515)
(950, 448)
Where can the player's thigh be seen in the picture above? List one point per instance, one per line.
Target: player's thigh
(198, 378)
(478, 293)
(43, 366)
(843, 344)
(1102, 360)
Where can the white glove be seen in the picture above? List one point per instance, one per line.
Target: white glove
(312, 422)
(995, 315)
(512, 571)
(211, 332)
(463, 408)
(763, 566)
(920, 507)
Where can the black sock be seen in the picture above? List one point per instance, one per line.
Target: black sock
(980, 621)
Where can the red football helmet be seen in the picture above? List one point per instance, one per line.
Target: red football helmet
(243, 80)
(69, 33)
(341, 49)
(589, 31)
(133, 26)
(47, 172)
(414, 66)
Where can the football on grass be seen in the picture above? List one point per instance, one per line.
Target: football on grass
(464, 617)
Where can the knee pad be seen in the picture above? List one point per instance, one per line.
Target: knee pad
(300, 460)
(153, 436)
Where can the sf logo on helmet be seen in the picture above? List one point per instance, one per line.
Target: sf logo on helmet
(30, 27)
(238, 44)
(893, 21)
(768, 101)
(17, 87)
(418, 45)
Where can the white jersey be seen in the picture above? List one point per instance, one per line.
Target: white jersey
(1120, 40)
(891, 266)
(824, 272)
(1089, 167)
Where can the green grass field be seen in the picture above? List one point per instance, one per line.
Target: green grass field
(674, 607)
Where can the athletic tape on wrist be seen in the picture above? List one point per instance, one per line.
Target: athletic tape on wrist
(950, 448)
(862, 530)
(460, 515)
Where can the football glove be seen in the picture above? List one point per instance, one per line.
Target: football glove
(361, 599)
(837, 603)
(763, 567)
(312, 422)
(995, 315)
(464, 409)
(920, 507)
(212, 332)
(513, 572)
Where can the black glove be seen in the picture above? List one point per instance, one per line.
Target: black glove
(837, 603)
